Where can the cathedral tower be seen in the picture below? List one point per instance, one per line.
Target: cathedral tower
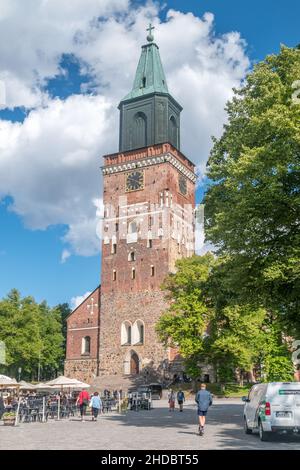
(149, 188)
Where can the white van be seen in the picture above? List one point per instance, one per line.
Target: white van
(272, 408)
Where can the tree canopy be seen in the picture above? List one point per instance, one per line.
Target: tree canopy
(248, 296)
(252, 206)
(32, 334)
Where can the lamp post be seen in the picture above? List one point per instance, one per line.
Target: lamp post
(39, 366)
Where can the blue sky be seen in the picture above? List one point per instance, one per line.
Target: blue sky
(36, 227)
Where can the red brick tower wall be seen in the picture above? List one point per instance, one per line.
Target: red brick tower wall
(126, 299)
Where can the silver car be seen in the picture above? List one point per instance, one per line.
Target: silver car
(272, 408)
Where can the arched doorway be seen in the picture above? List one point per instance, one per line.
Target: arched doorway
(134, 364)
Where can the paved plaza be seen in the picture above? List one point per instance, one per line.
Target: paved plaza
(155, 429)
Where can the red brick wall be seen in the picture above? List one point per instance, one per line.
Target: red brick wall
(83, 323)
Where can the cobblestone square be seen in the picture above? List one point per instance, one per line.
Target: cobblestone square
(147, 430)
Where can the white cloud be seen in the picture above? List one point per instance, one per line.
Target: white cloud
(65, 255)
(50, 163)
(33, 36)
(76, 301)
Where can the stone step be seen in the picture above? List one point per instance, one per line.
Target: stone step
(118, 382)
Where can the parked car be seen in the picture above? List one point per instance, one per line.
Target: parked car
(272, 408)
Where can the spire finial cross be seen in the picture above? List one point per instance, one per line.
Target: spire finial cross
(150, 37)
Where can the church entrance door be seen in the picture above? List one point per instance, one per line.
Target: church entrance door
(134, 364)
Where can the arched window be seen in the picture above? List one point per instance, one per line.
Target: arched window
(86, 345)
(125, 333)
(139, 130)
(131, 256)
(132, 227)
(138, 332)
(173, 131)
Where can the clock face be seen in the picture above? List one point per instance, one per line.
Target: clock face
(182, 185)
(134, 180)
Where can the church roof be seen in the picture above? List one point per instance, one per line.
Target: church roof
(150, 76)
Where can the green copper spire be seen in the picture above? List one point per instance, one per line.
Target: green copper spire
(149, 115)
(150, 76)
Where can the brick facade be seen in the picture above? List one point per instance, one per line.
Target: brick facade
(84, 322)
(160, 209)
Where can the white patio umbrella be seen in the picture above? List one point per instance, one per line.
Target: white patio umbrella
(66, 382)
(41, 386)
(7, 382)
(26, 386)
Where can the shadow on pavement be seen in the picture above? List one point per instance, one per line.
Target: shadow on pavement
(224, 426)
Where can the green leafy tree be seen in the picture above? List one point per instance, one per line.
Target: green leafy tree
(253, 204)
(185, 323)
(32, 336)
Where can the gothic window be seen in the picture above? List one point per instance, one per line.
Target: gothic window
(138, 330)
(86, 345)
(139, 131)
(173, 132)
(125, 333)
(132, 227)
(131, 256)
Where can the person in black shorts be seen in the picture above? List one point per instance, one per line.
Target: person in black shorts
(180, 399)
(204, 401)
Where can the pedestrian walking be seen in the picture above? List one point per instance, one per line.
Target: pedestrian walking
(180, 399)
(171, 400)
(204, 401)
(96, 405)
(83, 401)
(2, 406)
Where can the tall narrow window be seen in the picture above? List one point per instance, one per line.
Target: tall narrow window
(150, 244)
(133, 273)
(152, 271)
(131, 256)
(114, 248)
(139, 131)
(86, 345)
(173, 131)
(114, 275)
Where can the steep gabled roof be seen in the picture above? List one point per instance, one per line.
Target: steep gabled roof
(150, 76)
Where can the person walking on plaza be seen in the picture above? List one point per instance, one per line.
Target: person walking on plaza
(180, 399)
(204, 401)
(83, 401)
(2, 406)
(96, 405)
(171, 400)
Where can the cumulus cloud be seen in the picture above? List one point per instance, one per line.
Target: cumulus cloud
(49, 164)
(33, 36)
(76, 301)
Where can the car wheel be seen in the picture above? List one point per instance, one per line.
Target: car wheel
(246, 429)
(264, 436)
